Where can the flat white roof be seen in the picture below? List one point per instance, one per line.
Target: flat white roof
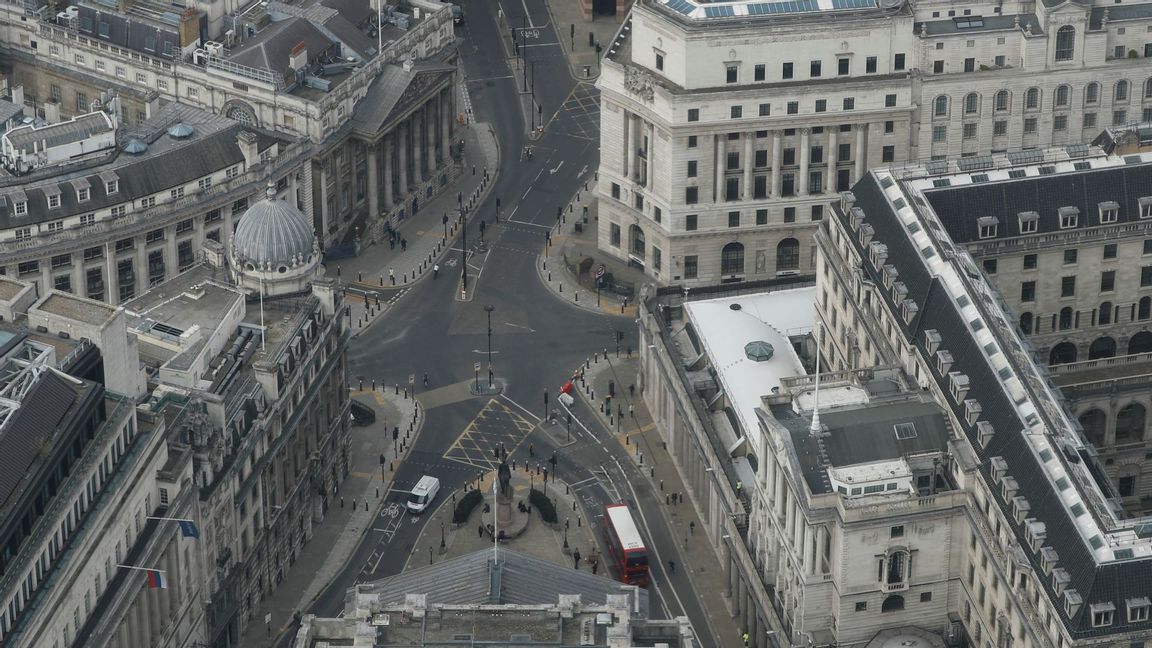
(767, 317)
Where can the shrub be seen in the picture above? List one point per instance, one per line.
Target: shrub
(465, 505)
(1133, 54)
(544, 505)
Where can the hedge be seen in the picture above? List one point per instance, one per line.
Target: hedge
(544, 505)
(466, 505)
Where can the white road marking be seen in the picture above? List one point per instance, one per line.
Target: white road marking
(527, 15)
(522, 408)
(527, 328)
(557, 168)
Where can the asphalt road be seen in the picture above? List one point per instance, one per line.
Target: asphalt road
(536, 340)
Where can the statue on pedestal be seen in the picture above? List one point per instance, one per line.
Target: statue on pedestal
(504, 474)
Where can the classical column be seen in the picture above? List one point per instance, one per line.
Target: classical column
(809, 550)
(861, 157)
(718, 181)
(140, 265)
(445, 127)
(833, 155)
(629, 149)
(373, 181)
(777, 161)
(821, 542)
(389, 145)
(325, 214)
(417, 143)
(402, 137)
(132, 622)
(111, 280)
(749, 138)
(805, 151)
(78, 285)
(430, 133)
(651, 153)
(171, 256)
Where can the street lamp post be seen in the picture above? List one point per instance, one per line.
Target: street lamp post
(488, 308)
(442, 536)
(429, 554)
(463, 246)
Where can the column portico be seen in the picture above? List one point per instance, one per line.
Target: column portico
(445, 127)
(861, 157)
(833, 156)
(718, 180)
(389, 144)
(805, 152)
(402, 136)
(777, 160)
(748, 140)
(629, 145)
(373, 181)
(417, 121)
(430, 133)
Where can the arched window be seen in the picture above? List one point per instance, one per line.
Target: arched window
(1140, 343)
(636, 241)
(1065, 43)
(1026, 323)
(1065, 318)
(940, 106)
(1104, 314)
(1103, 347)
(1121, 91)
(1032, 99)
(1062, 353)
(893, 603)
(971, 103)
(1063, 95)
(788, 254)
(732, 259)
(1092, 93)
(896, 570)
(1144, 309)
(1130, 424)
(1094, 422)
(1148, 89)
(1001, 101)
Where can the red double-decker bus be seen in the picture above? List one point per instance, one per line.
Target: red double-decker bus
(629, 556)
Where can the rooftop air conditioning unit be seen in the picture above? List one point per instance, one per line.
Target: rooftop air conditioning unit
(214, 48)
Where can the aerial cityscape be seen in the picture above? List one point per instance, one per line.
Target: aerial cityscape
(606, 323)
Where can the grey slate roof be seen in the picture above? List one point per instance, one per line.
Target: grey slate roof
(40, 412)
(131, 31)
(9, 110)
(375, 109)
(1112, 582)
(270, 48)
(73, 130)
(1119, 12)
(959, 207)
(167, 163)
(525, 580)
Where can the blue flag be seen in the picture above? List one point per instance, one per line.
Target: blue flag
(188, 529)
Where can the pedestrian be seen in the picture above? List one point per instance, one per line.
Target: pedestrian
(480, 531)
(629, 347)
(632, 390)
(676, 498)
(392, 243)
(671, 566)
(631, 412)
(403, 244)
(425, 378)
(745, 639)
(531, 450)
(435, 270)
(667, 498)
(692, 527)
(576, 559)
(545, 475)
(739, 487)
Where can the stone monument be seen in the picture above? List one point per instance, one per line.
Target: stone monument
(504, 496)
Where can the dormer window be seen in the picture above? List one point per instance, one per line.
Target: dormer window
(53, 201)
(1060, 580)
(1109, 212)
(1037, 532)
(1146, 207)
(972, 410)
(1029, 222)
(1069, 217)
(910, 309)
(958, 385)
(82, 195)
(988, 226)
(1020, 509)
(1008, 488)
(985, 432)
(1102, 614)
(943, 361)
(21, 208)
(1048, 559)
(112, 187)
(1138, 609)
(931, 340)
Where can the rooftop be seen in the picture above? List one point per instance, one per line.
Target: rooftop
(81, 309)
(9, 288)
(725, 326)
(708, 9)
(81, 127)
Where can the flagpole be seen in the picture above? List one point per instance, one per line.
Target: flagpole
(495, 520)
(144, 569)
(152, 517)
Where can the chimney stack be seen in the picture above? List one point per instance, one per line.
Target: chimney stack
(246, 140)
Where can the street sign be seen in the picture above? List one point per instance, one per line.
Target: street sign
(600, 271)
(268, 618)
(476, 366)
(412, 379)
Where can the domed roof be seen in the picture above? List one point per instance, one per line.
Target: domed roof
(273, 233)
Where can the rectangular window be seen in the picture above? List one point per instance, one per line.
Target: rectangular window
(849, 103)
(1146, 276)
(1108, 281)
(731, 74)
(821, 105)
(734, 219)
(765, 110)
(1000, 127)
(1068, 286)
(758, 72)
(736, 112)
(659, 61)
(817, 212)
(786, 72)
(969, 65)
(939, 134)
(690, 222)
(1110, 251)
(204, 183)
(999, 61)
(691, 141)
(1030, 126)
(890, 101)
(691, 168)
(1060, 123)
(1071, 256)
(898, 62)
(733, 161)
(843, 65)
(657, 215)
(990, 266)
(761, 216)
(814, 69)
(888, 154)
(690, 266)
(693, 114)
(1089, 120)
(1029, 262)
(616, 191)
(938, 67)
(1069, 217)
(789, 214)
(614, 234)
(793, 107)
(1119, 117)
(870, 65)
(691, 195)
(969, 131)
(1028, 291)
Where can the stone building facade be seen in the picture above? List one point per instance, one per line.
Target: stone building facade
(725, 130)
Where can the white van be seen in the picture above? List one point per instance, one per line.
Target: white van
(423, 494)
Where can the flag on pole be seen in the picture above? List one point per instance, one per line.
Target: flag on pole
(156, 579)
(188, 529)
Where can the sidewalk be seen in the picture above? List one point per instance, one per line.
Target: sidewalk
(367, 278)
(570, 250)
(353, 508)
(572, 30)
(638, 434)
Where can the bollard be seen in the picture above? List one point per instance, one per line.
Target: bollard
(549, 275)
(576, 297)
(561, 284)
(661, 484)
(593, 393)
(641, 458)
(361, 385)
(652, 472)
(573, 505)
(377, 492)
(396, 391)
(578, 521)
(545, 264)
(373, 384)
(359, 276)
